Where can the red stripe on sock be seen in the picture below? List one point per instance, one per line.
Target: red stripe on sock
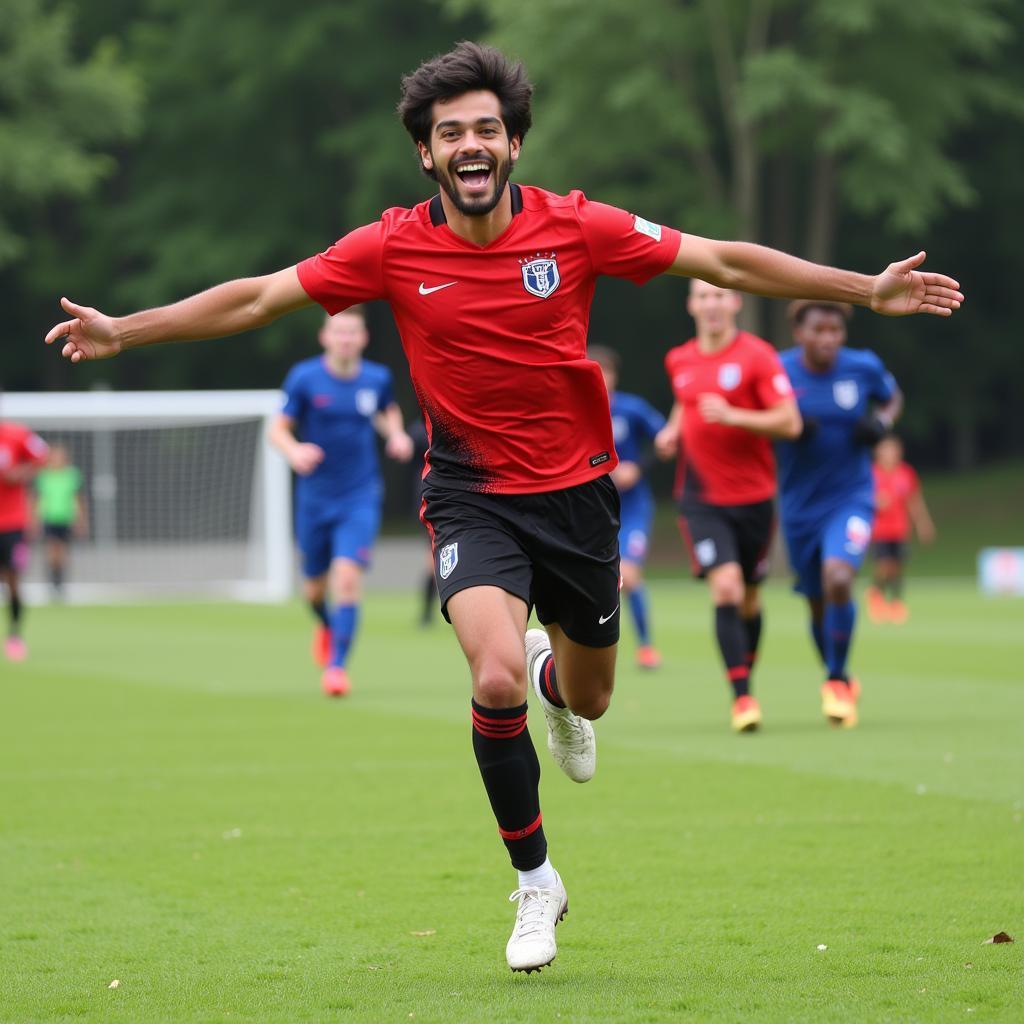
(739, 672)
(521, 833)
(498, 728)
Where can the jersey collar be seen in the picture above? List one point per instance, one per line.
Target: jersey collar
(437, 217)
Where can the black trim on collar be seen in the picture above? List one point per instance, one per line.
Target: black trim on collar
(437, 217)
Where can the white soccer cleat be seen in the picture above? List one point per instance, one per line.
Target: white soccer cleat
(532, 943)
(571, 739)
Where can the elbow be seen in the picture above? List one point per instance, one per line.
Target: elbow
(794, 428)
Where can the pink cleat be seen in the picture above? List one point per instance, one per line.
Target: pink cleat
(15, 649)
(648, 657)
(334, 682)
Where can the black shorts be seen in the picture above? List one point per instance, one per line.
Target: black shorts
(57, 531)
(896, 550)
(558, 551)
(718, 534)
(13, 550)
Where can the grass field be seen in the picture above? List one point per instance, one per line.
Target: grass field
(181, 811)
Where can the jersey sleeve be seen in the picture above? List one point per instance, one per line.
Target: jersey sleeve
(624, 245)
(649, 420)
(387, 390)
(294, 395)
(881, 383)
(350, 271)
(771, 382)
(34, 450)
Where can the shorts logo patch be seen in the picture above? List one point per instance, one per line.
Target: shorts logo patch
(447, 559)
(729, 376)
(858, 534)
(366, 401)
(705, 551)
(645, 227)
(596, 460)
(846, 393)
(540, 275)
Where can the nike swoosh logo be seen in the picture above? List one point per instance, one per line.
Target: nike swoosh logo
(604, 618)
(424, 290)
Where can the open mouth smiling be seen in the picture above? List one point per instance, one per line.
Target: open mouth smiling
(474, 173)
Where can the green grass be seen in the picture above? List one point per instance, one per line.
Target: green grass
(180, 810)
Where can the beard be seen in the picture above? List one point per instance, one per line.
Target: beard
(482, 205)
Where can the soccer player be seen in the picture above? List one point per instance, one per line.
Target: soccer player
(428, 585)
(635, 424)
(732, 398)
(848, 401)
(899, 502)
(22, 455)
(334, 406)
(490, 284)
(60, 511)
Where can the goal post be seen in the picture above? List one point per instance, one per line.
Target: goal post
(185, 495)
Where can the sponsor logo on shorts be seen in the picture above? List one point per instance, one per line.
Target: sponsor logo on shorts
(602, 619)
(729, 376)
(846, 393)
(706, 551)
(447, 559)
(596, 460)
(858, 534)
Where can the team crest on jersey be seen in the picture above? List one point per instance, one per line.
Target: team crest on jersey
(846, 393)
(858, 533)
(447, 559)
(366, 401)
(540, 275)
(729, 376)
(705, 551)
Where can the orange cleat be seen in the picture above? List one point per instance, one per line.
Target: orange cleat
(878, 607)
(321, 647)
(648, 657)
(334, 682)
(839, 704)
(898, 612)
(746, 714)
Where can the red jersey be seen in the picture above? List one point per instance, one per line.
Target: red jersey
(893, 490)
(496, 335)
(18, 447)
(721, 465)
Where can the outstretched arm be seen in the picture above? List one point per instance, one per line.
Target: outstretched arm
(227, 308)
(781, 422)
(898, 290)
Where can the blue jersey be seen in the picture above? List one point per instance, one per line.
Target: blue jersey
(830, 469)
(337, 414)
(634, 424)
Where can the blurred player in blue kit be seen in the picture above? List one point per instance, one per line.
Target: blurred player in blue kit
(335, 405)
(635, 424)
(848, 401)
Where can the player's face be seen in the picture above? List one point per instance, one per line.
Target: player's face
(470, 152)
(611, 378)
(821, 335)
(889, 453)
(58, 457)
(344, 337)
(713, 309)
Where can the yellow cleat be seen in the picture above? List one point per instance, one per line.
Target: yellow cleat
(839, 704)
(746, 714)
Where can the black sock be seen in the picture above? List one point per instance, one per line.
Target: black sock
(429, 595)
(753, 628)
(511, 773)
(14, 604)
(319, 609)
(732, 642)
(549, 682)
(896, 587)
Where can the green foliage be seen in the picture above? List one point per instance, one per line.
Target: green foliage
(60, 113)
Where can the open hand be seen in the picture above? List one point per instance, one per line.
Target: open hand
(90, 335)
(901, 289)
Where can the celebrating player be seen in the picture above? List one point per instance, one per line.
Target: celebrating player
(899, 502)
(848, 401)
(635, 424)
(490, 284)
(732, 398)
(60, 511)
(334, 406)
(22, 455)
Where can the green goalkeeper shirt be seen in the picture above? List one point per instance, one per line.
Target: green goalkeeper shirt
(57, 489)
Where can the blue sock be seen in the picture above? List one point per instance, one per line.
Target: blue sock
(638, 606)
(818, 634)
(839, 620)
(343, 629)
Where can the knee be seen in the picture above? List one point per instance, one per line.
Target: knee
(346, 584)
(593, 705)
(497, 683)
(838, 587)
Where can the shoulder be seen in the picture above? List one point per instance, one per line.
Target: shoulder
(304, 370)
(790, 359)
(375, 371)
(862, 358)
(757, 350)
(680, 353)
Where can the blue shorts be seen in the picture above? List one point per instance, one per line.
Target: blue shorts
(844, 533)
(636, 517)
(348, 529)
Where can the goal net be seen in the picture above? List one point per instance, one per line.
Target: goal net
(184, 496)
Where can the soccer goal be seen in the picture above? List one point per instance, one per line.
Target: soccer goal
(184, 495)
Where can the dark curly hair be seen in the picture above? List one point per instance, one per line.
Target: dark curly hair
(470, 66)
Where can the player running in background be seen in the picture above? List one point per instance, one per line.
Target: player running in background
(491, 284)
(428, 585)
(22, 455)
(848, 401)
(898, 502)
(60, 512)
(635, 424)
(335, 404)
(732, 399)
